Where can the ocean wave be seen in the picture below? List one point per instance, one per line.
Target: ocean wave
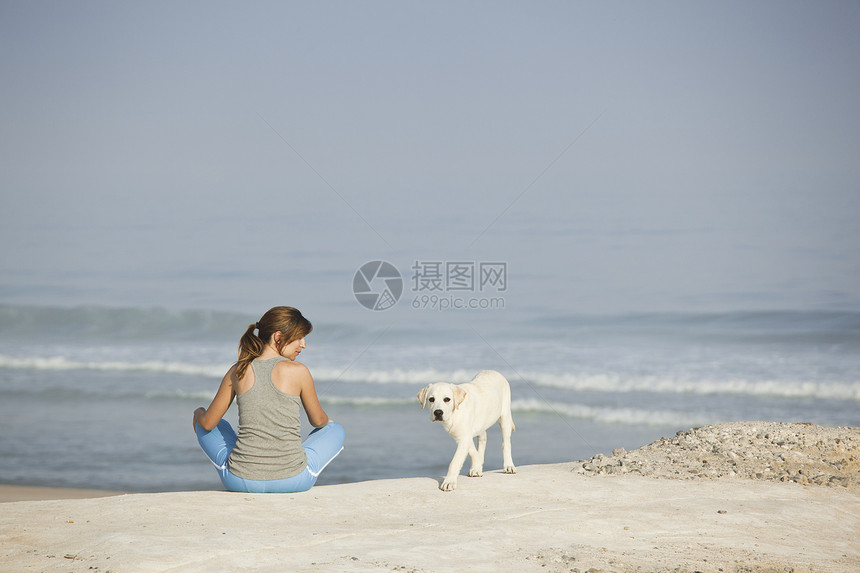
(58, 363)
(575, 382)
(615, 415)
(139, 324)
(393, 375)
(611, 382)
(71, 393)
(133, 323)
(762, 326)
(162, 324)
(677, 385)
(367, 401)
(203, 397)
(608, 415)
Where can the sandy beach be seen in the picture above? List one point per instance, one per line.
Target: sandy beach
(35, 493)
(650, 513)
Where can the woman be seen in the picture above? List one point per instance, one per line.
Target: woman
(269, 386)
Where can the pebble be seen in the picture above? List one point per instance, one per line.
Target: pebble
(801, 453)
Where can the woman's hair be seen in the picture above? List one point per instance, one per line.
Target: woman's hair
(284, 319)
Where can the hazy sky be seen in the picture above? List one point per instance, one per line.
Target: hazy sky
(617, 156)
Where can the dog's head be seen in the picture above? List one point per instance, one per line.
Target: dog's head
(442, 398)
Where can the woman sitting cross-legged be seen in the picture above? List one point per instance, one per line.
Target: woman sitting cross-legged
(270, 387)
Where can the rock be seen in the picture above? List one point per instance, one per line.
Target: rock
(804, 454)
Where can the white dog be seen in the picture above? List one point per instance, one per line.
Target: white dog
(466, 411)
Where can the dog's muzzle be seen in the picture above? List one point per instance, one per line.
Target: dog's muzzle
(438, 415)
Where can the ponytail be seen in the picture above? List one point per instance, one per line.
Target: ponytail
(250, 347)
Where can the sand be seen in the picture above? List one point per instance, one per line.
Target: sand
(557, 517)
(34, 493)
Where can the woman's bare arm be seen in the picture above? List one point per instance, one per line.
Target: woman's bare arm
(316, 415)
(208, 418)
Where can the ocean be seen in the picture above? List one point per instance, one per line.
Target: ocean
(102, 397)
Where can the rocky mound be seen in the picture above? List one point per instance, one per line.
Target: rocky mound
(801, 453)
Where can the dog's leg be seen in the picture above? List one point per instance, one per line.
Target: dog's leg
(463, 447)
(506, 423)
(478, 456)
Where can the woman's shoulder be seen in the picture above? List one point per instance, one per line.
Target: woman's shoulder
(291, 377)
(231, 372)
(291, 368)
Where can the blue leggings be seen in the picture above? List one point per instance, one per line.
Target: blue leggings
(321, 447)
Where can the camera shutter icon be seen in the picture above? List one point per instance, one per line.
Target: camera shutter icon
(377, 285)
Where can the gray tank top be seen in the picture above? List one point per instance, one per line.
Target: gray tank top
(269, 444)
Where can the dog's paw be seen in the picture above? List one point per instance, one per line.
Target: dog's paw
(510, 470)
(476, 473)
(448, 485)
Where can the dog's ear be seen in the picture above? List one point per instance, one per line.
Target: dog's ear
(459, 396)
(422, 396)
